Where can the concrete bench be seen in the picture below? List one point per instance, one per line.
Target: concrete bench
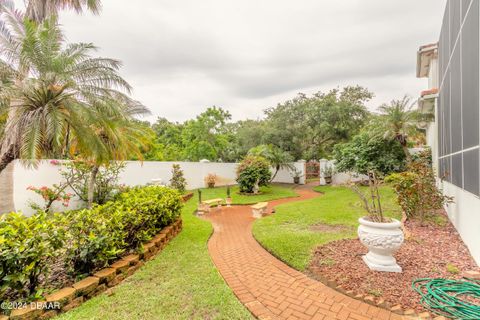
(208, 203)
(259, 209)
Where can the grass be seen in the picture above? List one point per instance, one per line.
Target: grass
(266, 194)
(288, 234)
(182, 281)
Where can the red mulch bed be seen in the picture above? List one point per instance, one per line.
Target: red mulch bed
(434, 251)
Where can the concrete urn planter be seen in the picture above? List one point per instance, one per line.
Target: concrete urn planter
(382, 240)
(228, 201)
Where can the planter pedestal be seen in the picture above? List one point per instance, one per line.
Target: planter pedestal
(382, 240)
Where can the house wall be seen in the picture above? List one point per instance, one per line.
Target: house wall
(135, 173)
(457, 122)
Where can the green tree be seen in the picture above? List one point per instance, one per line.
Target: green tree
(277, 158)
(365, 153)
(309, 126)
(206, 137)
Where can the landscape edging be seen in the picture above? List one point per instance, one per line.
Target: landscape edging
(100, 281)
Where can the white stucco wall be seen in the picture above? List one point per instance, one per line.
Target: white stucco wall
(465, 216)
(135, 173)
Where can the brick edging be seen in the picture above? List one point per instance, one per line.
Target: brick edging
(374, 301)
(71, 297)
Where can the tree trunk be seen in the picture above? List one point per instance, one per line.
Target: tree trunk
(7, 156)
(275, 174)
(91, 185)
(407, 153)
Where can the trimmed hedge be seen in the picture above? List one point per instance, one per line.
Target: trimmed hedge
(88, 239)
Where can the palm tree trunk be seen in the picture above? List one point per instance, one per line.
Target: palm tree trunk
(408, 156)
(91, 185)
(275, 174)
(7, 156)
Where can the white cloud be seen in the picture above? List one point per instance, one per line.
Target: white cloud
(182, 56)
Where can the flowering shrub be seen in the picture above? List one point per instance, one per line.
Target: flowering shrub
(50, 195)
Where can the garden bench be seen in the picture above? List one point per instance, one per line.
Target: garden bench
(208, 203)
(259, 209)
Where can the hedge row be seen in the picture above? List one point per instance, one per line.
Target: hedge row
(84, 239)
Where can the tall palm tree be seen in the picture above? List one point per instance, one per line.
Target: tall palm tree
(56, 93)
(398, 121)
(39, 10)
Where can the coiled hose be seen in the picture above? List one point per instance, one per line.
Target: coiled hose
(454, 299)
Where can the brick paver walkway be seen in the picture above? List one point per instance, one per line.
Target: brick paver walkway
(266, 286)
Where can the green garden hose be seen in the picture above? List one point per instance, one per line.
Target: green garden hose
(449, 298)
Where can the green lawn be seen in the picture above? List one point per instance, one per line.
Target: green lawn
(288, 234)
(266, 194)
(181, 282)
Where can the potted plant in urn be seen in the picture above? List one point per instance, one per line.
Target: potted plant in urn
(210, 180)
(381, 235)
(296, 174)
(228, 200)
(328, 172)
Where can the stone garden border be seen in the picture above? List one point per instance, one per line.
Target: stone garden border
(68, 298)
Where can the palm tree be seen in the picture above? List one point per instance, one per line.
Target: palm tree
(55, 94)
(277, 158)
(398, 121)
(39, 10)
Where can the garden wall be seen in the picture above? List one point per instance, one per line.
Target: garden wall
(135, 173)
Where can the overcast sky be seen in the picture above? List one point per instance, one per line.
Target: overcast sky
(182, 56)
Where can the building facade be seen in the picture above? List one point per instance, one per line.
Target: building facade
(453, 67)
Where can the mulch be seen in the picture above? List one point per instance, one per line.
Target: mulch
(433, 251)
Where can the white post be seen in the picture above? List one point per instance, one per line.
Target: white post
(323, 165)
(302, 164)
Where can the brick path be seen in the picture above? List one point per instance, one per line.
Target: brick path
(266, 286)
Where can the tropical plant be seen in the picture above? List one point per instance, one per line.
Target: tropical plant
(278, 158)
(39, 10)
(60, 100)
(252, 172)
(178, 181)
(398, 121)
(51, 195)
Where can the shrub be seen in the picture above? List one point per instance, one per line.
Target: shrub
(253, 170)
(365, 153)
(416, 188)
(144, 211)
(94, 239)
(177, 181)
(97, 236)
(27, 244)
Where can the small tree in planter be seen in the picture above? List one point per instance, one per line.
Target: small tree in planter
(382, 236)
(210, 180)
(252, 172)
(296, 175)
(328, 173)
(178, 181)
